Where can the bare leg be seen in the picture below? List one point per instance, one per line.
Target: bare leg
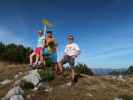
(37, 58)
(72, 74)
(31, 58)
(41, 56)
(60, 67)
(56, 67)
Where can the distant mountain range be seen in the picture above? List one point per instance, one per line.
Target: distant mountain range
(106, 71)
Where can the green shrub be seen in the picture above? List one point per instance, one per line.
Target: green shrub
(48, 63)
(26, 85)
(83, 68)
(126, 97)
(130, 70)
(46, 74)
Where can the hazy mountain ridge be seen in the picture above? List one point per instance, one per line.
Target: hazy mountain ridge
(107, 71)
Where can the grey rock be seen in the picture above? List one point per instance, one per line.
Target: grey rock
(17, 97)
(32, 77)
(118, 99)
(43, 85)
(16, 76)
(120, 78)
(14, 91)
(7, 81)
(48, 89)
(28, 96)
(89, 94)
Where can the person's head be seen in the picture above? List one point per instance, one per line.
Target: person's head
(70, 38)
(40, 32)
(50, 34)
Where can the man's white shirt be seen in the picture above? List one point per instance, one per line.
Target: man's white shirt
(72, 49)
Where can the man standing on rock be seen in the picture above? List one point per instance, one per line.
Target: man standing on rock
(71, 52)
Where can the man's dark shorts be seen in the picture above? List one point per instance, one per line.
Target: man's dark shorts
(68, 59)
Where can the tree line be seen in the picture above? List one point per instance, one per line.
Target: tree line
(14, 53)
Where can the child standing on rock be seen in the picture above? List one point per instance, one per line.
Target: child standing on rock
(38, 50)
(71, 52)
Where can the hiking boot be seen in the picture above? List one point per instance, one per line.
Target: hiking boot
(41, 66)
(76, 79)
(34, 66)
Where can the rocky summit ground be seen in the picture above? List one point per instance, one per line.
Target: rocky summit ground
(87, 88)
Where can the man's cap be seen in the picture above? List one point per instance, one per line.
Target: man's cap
(70, 36)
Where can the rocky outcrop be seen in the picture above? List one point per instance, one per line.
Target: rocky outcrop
(30, 79)
(16, 93)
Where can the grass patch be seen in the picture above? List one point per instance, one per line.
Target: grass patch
(46, 74)
(26, 85)
(126, 97)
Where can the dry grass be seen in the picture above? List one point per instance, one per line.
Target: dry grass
(8, 71)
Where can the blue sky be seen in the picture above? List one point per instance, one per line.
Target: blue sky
(102, 28)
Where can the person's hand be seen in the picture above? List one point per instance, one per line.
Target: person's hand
(64, 54)
(74, 56)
